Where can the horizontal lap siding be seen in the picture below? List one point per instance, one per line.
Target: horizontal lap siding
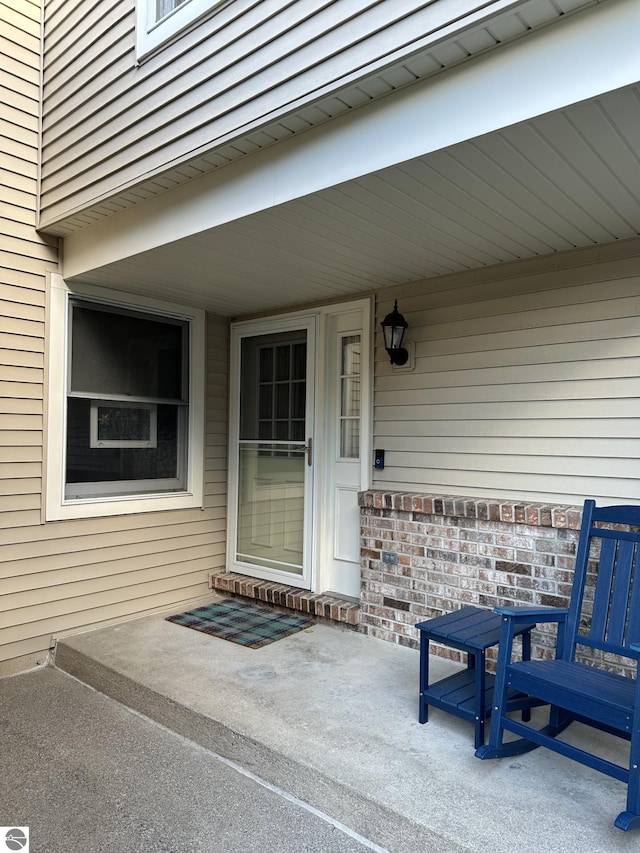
(24, 260)
(66, 576)
(523, 388)
(109, 123)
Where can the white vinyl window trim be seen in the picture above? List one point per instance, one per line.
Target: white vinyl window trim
(155, 26)
(57, 506)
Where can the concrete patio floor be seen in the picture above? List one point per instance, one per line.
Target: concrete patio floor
(330, 716)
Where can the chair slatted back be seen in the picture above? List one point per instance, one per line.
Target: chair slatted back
(604, 613)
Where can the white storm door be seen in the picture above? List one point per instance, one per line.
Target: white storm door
(271, 506)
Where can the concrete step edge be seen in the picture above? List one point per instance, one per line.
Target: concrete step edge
(364, 815)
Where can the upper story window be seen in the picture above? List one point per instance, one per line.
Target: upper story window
(159, 21)
(165, 7)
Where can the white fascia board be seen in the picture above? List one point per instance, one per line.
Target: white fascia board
(580, 57)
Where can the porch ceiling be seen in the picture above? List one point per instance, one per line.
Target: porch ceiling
(563, 180)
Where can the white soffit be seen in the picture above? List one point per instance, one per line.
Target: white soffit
(562, 181)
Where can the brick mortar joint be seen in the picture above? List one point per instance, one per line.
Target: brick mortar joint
(554, 516)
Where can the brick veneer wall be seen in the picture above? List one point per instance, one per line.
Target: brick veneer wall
(424, 555)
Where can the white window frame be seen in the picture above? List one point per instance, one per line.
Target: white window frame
(151, 34)
(59, 507)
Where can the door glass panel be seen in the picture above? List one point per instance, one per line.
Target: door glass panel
(283, 364)
(265, 394)
(299, 362)
(351, 355)
(271, 506)
(266, 364)
(350, 397)
(298, 399)
(272, 462)
(350, 438)
(282, 400)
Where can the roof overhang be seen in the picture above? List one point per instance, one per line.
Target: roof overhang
(525, 151)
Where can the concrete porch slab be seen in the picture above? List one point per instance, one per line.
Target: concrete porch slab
(331, 717)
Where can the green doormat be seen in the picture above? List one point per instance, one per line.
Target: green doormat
(242, 623)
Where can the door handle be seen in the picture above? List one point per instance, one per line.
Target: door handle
(309, 451)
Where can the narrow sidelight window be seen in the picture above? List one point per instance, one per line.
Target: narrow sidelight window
(350, 413)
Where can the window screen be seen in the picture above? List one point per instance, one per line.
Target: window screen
(127, 402)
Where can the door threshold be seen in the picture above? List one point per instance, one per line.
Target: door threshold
(349, 598)
(321, 605)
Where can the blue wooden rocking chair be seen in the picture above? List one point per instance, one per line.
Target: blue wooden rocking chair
(603, 617)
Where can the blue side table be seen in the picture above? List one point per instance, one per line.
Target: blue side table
(467, 694)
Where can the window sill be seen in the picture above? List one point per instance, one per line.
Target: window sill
(99, 507)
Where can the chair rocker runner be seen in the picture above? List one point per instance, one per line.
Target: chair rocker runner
(603, 619)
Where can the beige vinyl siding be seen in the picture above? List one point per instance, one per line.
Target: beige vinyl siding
(525, 387)
(66, 576)
(63, 577)
(109, 123)
(24, 260)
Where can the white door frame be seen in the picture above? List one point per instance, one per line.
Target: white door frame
(319, 537)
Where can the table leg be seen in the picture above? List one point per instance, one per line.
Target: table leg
(479, 663)
(526, 655)
(423, 711)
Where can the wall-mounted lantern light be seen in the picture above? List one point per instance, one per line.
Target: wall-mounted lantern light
(393, 328)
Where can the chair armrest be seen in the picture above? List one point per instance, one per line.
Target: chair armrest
(539, 613)
(513, 620)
